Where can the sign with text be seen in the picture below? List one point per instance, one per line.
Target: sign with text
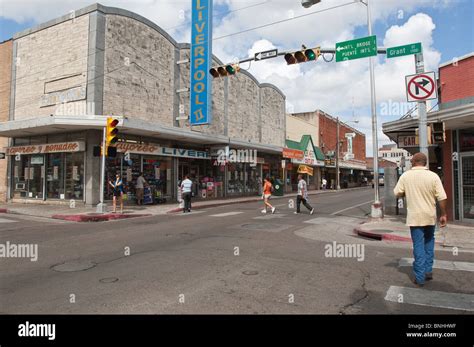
(355, 49)
(77, 146)
(292, 153)
(399, 51)
(405, 141)
(304, 169)
(123, 147)
(201, 59)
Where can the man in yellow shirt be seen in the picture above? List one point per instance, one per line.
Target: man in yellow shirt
(422, 189)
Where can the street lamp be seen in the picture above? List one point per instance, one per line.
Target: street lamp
(376, 206)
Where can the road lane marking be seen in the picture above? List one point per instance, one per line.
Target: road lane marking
(189, 213)
(3, 220)
(226, 214)
(422, 297)
(442, 264)
(350, 208)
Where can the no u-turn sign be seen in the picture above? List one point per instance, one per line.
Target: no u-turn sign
(421, 87)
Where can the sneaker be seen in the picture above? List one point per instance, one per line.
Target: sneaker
(273, 210)
(428, 276)
(312, 211)
(417, 283)
(264, 211)
(296, 212)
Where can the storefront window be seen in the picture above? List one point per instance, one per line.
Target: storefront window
(74, 175)
(55, 176)
(28, 173)
(235, 178)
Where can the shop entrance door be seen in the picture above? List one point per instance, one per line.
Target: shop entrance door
(467, 187)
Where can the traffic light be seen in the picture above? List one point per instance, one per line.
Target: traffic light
(438, 134)
(224, 70)
(111, 135)
(306, 54)
(428, 135)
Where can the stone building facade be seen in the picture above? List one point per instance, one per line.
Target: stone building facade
(72, 72)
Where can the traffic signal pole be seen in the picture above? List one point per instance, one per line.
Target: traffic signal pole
(101, 207)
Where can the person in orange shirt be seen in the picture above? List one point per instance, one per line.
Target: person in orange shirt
(267, 193)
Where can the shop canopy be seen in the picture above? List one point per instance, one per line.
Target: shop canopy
(55, 124)
(306, 141)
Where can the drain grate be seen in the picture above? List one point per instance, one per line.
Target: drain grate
(250, 272)
(73, 266)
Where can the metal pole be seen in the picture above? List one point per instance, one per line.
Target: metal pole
(101, 206)
(422, 123)
(376, 207)
(338, 183)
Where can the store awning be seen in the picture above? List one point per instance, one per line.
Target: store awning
(306, 143)
(55, 124)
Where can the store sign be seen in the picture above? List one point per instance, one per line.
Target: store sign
(405, 141)
(76, 146)
(292, 153)
(163, 151)
(309, 157)
(201, 58)
(304, 169)
(73, 94)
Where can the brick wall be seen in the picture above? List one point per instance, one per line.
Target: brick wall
(456, 80)
(5, 77)
(328, 134)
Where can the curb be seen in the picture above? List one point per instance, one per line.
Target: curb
(3, 210)
(96, 218)
(384, 237)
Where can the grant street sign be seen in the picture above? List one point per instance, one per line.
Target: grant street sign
(399, 51)
(355, 49)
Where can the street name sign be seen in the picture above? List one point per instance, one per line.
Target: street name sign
(421, 87)
(355, 49)
(399, 51)
(266, 54)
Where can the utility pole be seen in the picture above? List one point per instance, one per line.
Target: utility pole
(422, 123)
(338, 183)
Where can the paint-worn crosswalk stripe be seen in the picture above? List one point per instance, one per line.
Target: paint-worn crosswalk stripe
(442, 264)
(4, 220)
(189, 213)
(226, 214)
(423, 297)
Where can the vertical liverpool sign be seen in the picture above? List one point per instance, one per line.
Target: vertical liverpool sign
(201, 60)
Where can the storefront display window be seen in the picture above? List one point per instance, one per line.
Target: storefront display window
(55, 176)
(27, 176)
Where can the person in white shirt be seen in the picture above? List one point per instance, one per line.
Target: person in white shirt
(139, 187)
(325, 183)
(302, 196)
(186, 188)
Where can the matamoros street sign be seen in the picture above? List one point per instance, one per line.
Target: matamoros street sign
(355, 49)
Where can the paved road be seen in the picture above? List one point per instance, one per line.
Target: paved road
(229, 259)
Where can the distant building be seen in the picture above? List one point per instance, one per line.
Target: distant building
(396, 155)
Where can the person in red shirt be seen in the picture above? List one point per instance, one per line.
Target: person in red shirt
(267, 193)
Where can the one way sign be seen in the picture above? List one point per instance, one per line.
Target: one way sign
(421, 87)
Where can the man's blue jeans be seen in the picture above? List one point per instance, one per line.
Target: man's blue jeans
(423, 250)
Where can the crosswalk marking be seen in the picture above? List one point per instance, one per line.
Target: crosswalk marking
(3, 220)
(225, 214)
(422, 297)
(189, 213)
(441, 264)
(270, 216)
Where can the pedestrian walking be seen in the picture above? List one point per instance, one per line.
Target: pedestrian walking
(422, 188)
(324, 183)
(267, 193)
(117, 186)
(139, 188)
(186, 188)
(302, 196)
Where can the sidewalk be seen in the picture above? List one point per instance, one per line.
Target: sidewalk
(393, 228)
(88, 213)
